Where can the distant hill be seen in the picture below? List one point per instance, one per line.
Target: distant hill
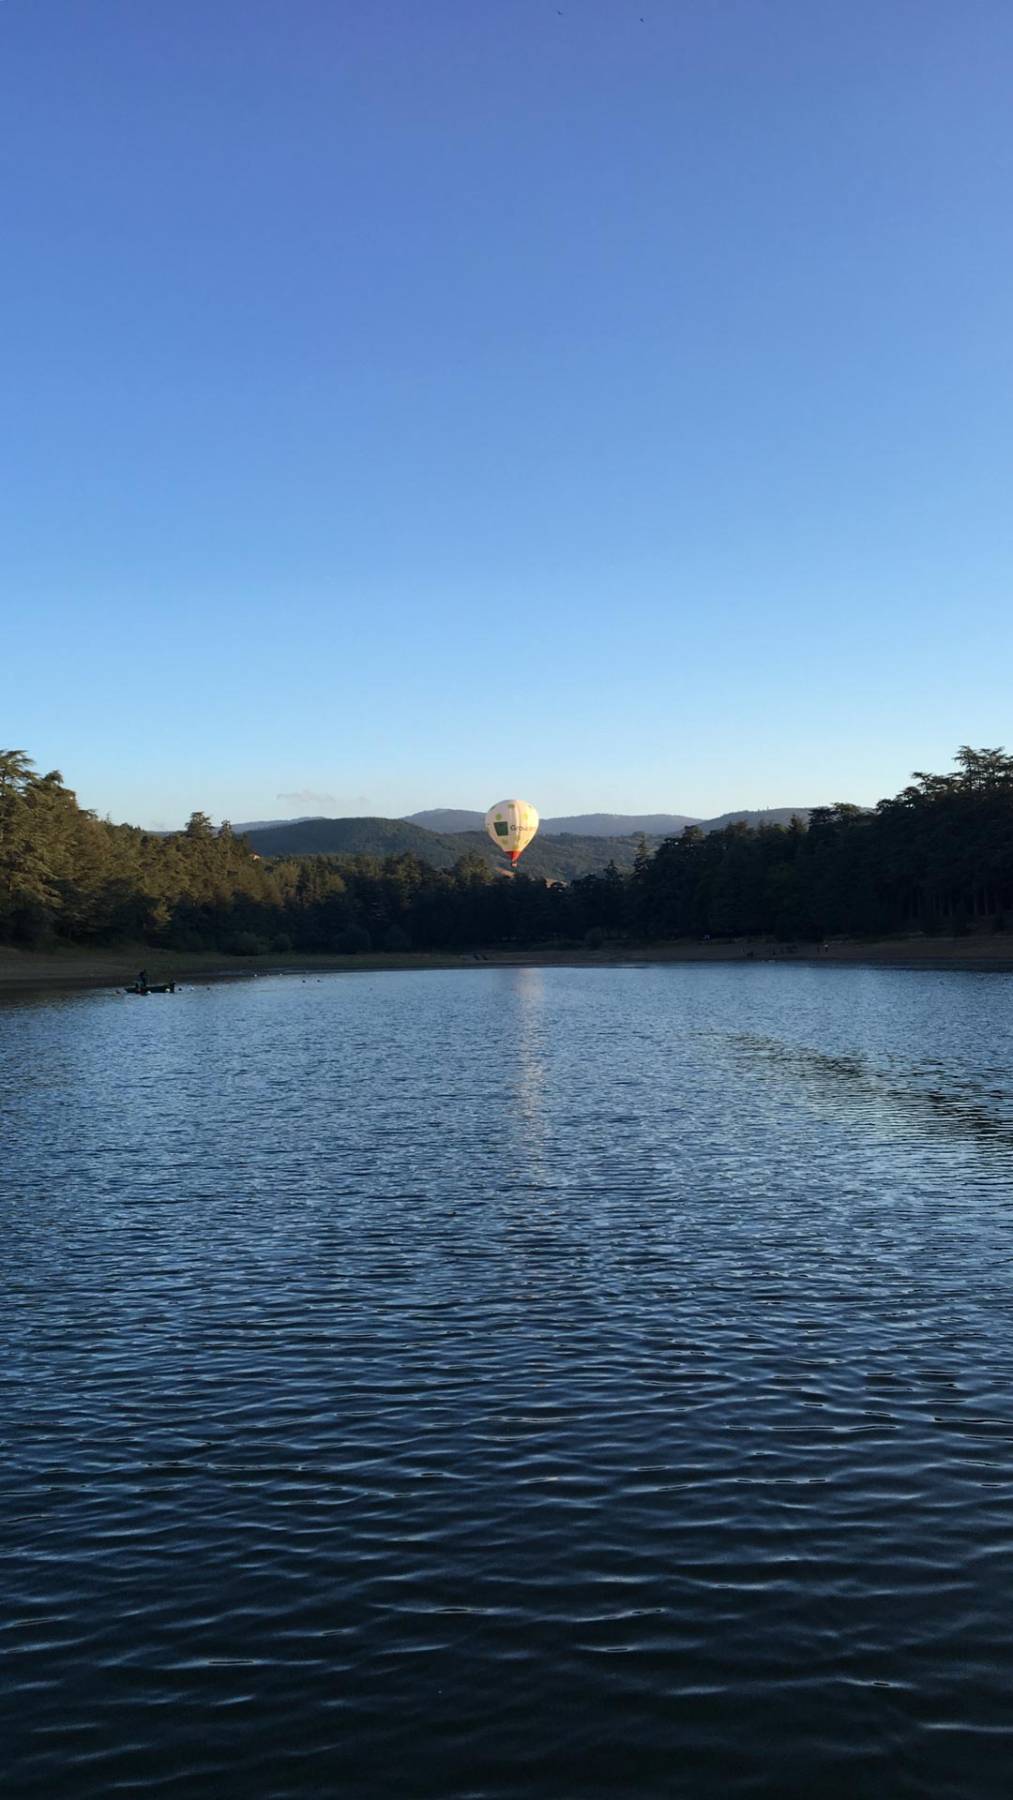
(352, 837)
(269, 824)
(767, 815)
(449, 818)
(609, 825)
(562, 858)
(552, 858)
(612, 825)
(555, 856)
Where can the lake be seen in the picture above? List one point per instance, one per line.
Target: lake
(518, 1382)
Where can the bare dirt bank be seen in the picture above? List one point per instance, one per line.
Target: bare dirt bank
(70, 968)
(22, 971)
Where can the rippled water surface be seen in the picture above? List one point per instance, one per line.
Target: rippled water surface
(513, 1382)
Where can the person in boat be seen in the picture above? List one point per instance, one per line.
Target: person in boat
(142, 979)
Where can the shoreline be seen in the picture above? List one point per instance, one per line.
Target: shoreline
(70, 969)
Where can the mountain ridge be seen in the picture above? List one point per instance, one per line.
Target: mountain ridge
(562, 856)
(456, 821)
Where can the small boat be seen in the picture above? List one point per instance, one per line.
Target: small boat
(165, 987)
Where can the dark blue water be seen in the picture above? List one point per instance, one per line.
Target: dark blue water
(513, 1382)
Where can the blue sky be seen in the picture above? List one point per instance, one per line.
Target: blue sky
(412, 402)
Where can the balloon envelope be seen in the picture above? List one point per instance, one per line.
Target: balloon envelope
(511, 824)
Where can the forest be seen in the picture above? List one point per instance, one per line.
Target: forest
(937, 858)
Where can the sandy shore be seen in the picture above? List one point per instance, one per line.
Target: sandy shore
(24, 970)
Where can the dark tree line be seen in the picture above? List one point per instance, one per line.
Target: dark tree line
(937, 857)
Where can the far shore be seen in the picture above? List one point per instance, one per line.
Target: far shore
(68, 967)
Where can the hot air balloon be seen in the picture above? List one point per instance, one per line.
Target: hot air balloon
(511, 824)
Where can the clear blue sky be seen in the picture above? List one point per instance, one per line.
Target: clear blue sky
(410, 402)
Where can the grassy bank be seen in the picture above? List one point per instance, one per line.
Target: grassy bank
(70, 967)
